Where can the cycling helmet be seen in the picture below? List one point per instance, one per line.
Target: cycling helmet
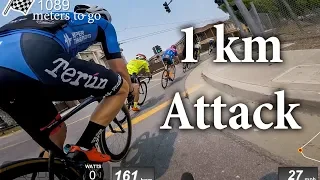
(141, 57)
(174, 46)
(85, 8)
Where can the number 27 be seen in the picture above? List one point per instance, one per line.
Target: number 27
(293, 172)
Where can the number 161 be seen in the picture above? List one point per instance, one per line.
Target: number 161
(127, 175)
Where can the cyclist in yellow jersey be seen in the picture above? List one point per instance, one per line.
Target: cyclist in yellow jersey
(134, 67)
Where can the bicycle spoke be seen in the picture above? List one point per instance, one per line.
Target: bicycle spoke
(119, 124)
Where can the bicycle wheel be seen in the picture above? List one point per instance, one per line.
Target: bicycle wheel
(143, 92)
(37, 166)
(121, 128)
(164, 79)
(184, 67)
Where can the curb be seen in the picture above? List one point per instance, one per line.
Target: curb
(309, 100)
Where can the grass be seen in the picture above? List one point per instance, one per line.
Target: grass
(9, 131)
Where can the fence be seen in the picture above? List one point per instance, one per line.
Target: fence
(290, 20)
(6, 122)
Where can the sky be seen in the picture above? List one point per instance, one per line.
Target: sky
(141, 18)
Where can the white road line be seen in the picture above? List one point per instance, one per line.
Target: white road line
(154, 86)
(155, 80)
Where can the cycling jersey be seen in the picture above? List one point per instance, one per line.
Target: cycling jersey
(136, 65)
(73, 35)
(38, 65)
(170, 53)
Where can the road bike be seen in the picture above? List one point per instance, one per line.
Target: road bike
(165, 77)
(59, 164)
(185, 67)
(197, 55)
(210, 50)
(143, 90)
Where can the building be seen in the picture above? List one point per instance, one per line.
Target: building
(202, 35)
(94, 53)
(207, 32)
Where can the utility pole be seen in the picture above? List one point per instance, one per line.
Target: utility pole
(253, 7)
(235, 19)
(247, 17)
(292, 14)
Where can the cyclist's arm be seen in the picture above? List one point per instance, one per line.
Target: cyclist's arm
(146, 68)
(176, 56)
(112, 52)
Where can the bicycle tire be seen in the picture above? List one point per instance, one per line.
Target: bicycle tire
(164, 78)
(188, 66)
(184, 67)
(142, 83)
(104, 147)
(23, 167)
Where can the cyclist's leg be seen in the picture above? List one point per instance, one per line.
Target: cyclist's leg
(195, 51)
(165, 62)
(170, 63)
(173, 64)
(22, 98)
(22, 94)
(95, 80)
(67, 78)
(135, 93)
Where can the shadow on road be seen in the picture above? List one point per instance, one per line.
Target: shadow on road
(148, 104)
(152, 151)
(270, 176)
(151, 102)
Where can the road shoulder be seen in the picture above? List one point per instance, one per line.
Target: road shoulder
(277, 144)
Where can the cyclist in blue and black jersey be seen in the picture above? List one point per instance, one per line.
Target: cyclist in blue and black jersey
(38, 65)
(168, 58)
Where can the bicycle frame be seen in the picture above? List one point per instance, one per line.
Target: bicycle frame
(138, 78)
(53, 150)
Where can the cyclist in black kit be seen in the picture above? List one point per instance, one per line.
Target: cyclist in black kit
(38, 65)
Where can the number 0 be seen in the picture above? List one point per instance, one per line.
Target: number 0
(49, 5)
(94, 175)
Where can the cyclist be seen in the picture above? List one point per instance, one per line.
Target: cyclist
(134, 67)
(197, 48)
(211, 42)
(168, 58)
(38, 65)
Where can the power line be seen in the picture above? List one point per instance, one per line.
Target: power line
(153, 33)
(147, 35)
(153, 25)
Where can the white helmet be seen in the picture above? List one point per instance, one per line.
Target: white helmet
(86, 8)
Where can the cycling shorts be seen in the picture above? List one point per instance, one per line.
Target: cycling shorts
(168, 61)
(35, 70)
(133, 78)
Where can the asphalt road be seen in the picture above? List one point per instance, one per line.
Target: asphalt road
(208, 154)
